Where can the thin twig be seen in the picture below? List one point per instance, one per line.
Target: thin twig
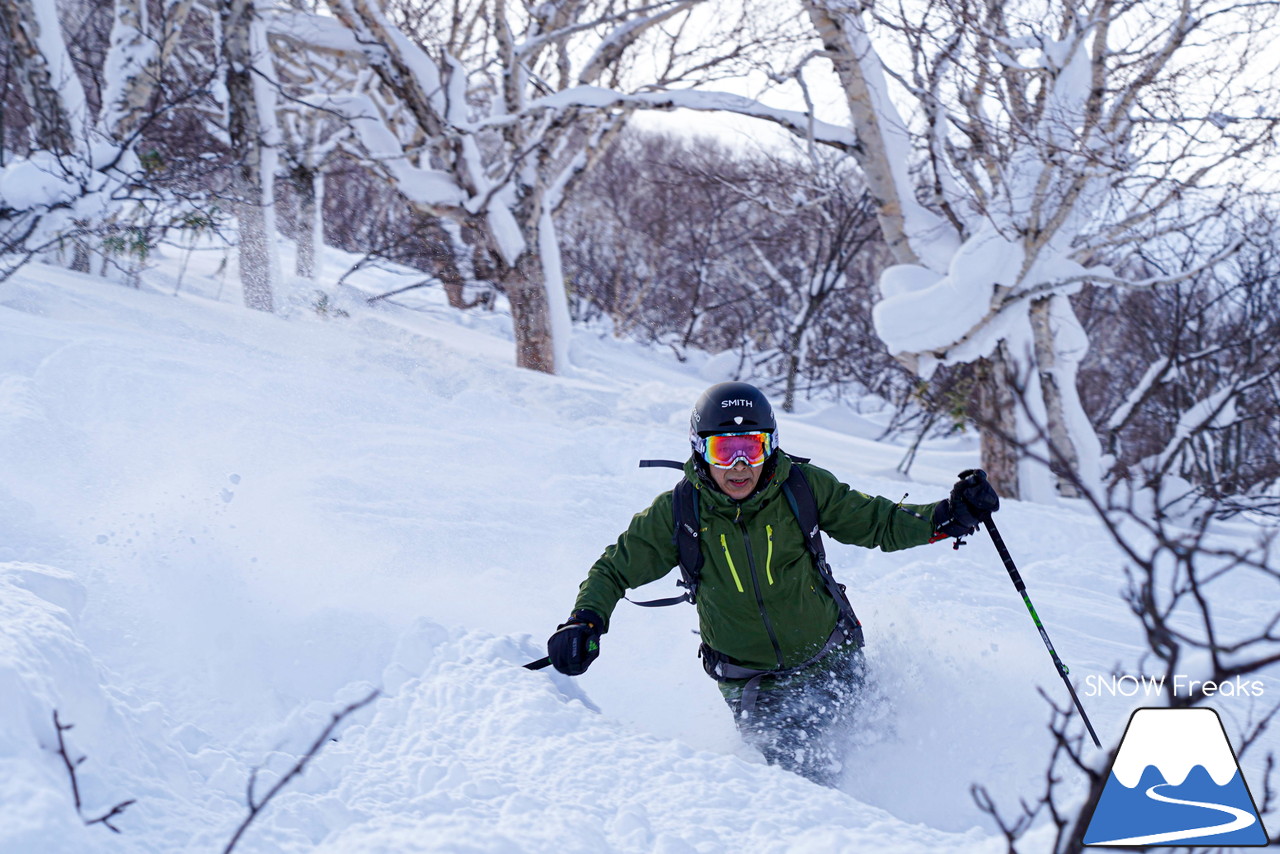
(71, 766)
(256, 807)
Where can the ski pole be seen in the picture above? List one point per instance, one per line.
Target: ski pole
(1021, 587)
(539, 664)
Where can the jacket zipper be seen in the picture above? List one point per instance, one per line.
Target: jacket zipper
(755, 583)
(728, 557)
(768, 558)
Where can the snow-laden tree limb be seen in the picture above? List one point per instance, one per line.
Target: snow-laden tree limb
(494, 129)
(1023, 138)
(81, 170)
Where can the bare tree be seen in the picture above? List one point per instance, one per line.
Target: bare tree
(771, 254)
(1179, 573)
(820, 238)
(463, 117)
(1205, 408)
(1039, 139)
(311, 139)
(662, 241)
(91, 96)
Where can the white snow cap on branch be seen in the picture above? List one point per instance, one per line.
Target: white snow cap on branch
(430, 187)
(922, 311)
(62, 71)
(39, 182)
(689, 99)
(316, 31)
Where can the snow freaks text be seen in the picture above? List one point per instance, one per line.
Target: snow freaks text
(1096, 685)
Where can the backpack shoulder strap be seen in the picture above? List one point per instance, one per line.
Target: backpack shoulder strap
(800, 496)
(685, 531)
(687, 525)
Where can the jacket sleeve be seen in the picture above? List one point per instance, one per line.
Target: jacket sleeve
(644, 552)
(869, 521)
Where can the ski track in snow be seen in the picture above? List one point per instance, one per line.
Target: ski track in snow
(219, 527)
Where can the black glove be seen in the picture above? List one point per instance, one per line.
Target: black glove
(972, 499)
(576, 643)
(975, 492)
(949, 522)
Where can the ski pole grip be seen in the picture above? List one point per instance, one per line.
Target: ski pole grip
(986, 501)
(1003, 551)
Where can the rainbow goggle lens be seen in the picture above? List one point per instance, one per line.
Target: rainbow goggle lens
(723, 450)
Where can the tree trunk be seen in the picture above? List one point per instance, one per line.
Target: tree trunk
(879, 129)
(140, 56)
(304, 180)
(79, 251)
(997, 422)
(45, 74)
(529, 314)
(444, 250)
(1064, 459)
(255, 258)
(795, 342)
(245, 130)
(793, 372)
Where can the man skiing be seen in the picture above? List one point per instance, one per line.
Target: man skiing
(778, 633)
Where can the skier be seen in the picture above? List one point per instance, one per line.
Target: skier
(778, 633)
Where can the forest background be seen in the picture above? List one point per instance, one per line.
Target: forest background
(1050, 223)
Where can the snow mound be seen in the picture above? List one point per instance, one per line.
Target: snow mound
(123, 753)
(474, 747)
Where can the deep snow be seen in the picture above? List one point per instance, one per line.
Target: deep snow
(219, 527)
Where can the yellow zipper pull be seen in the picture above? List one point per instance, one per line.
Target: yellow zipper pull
(768, 558)
(724, 544)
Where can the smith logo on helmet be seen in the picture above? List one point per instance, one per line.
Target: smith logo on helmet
(725, 404)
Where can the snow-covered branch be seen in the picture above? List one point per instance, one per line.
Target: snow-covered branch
(1033, 165)
(598, 98)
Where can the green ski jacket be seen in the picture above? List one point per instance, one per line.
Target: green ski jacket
(760, 600)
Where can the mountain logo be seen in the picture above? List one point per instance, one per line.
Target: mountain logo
(1175, 781)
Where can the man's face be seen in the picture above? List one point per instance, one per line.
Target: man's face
(737, 482)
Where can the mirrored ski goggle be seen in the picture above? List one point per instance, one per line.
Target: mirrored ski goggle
(724, 450)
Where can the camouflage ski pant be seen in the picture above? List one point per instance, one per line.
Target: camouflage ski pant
(801, 721)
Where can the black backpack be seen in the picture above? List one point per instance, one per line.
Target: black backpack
(687, 524)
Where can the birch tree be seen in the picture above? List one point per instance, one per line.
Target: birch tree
(80, 171)
(311, 139)
(466, 114)
(254, 137)
(1034, 143)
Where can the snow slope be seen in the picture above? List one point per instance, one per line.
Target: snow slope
(217, 528)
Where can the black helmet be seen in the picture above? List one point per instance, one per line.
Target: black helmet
(730, 408)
